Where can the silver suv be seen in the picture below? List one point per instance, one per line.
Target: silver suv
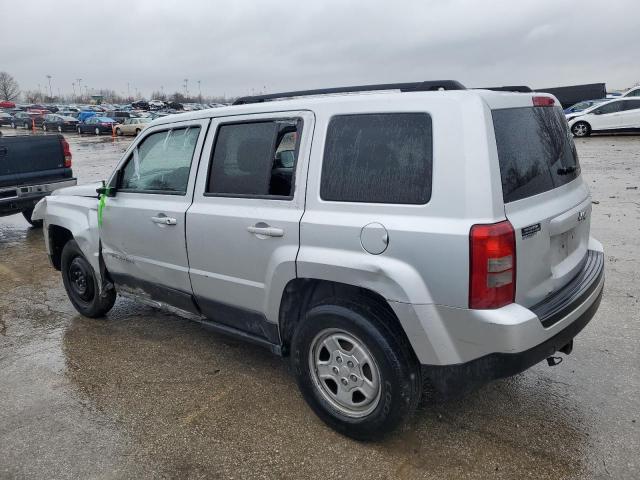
(380, 240)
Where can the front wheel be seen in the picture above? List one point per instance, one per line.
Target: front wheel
(118, 132)
(355, 368)
(581, 129)
(79, 131)
(60, 128)
(97, 130)
(81, 284)
(27, 216)
(44, 127)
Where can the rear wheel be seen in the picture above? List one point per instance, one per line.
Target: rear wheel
(44, 127)
(355, 369)
(27, 126)
(118, 132)
(27, 216)
(13, 125)
(81, 284)
(60, 128)
(97, 130)
(79, 131)
(581, 129)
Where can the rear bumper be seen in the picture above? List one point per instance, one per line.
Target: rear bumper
(23, 197)
(454, 379)
(460, 347)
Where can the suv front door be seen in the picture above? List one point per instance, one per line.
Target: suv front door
(143, 225)
(243, 226)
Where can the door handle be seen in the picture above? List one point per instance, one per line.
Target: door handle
(262, 229)
(164, 220)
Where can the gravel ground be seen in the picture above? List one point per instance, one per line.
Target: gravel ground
(145, 394)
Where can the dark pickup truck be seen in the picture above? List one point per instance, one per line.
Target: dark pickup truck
(31, 167)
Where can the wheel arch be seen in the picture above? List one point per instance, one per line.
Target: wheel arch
(301, 294)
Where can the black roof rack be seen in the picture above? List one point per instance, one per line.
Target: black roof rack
(510, 88)
(403, 87)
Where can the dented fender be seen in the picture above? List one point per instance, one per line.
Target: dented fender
(78, 215)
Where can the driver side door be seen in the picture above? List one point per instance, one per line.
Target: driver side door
(143, 225)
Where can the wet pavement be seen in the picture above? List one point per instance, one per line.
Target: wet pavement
(145, 394)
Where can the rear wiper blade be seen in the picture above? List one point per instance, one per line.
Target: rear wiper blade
(567, 170)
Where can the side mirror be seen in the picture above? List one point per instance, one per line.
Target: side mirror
(108, 191)
(597, 112)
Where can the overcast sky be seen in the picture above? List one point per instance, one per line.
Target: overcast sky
(236, 47)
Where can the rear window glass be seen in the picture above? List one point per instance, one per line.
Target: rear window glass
(378, 158)
(535, 150)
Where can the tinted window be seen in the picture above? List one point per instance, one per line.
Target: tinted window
(161, 163)
(535, 150)
(256, 159)
(631, 104)
(610, 108)
(378, 158)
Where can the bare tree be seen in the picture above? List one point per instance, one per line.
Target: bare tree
(9, 89)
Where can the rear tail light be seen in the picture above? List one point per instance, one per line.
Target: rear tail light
(492, 265)
(539, 101)
(66, 151)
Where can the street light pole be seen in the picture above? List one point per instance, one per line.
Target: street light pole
(50, 91)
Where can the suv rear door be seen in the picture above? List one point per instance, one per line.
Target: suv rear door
(545, 198)
(243, 227)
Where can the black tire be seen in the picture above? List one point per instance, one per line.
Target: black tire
(27, 216)
(98, 131)
(137, 132)
(27, 126)
(81, 284)
(13, 125)
(399, 371)
(60, 128)
(44, 127)
(118, 132)
(581, 129)
(79, 131)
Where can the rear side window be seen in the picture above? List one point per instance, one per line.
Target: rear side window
(378, 158)
(255, 159)
(535, 150)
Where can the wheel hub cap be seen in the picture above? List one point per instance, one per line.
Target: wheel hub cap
(345, 372)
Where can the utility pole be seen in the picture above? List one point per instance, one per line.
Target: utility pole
(128, 91)
(79, 87)
(50, 91)
(199, 93)
(186, 87)
(73, 85)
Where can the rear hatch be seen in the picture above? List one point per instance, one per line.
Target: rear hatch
(545, 198)
(26, 160)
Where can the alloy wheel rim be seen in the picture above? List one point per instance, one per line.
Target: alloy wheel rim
(345, 372)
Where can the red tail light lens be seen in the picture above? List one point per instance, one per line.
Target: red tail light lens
(492, 265)
(66, 151)
(540, 101)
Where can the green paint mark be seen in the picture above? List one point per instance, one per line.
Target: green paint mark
(101, 202)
